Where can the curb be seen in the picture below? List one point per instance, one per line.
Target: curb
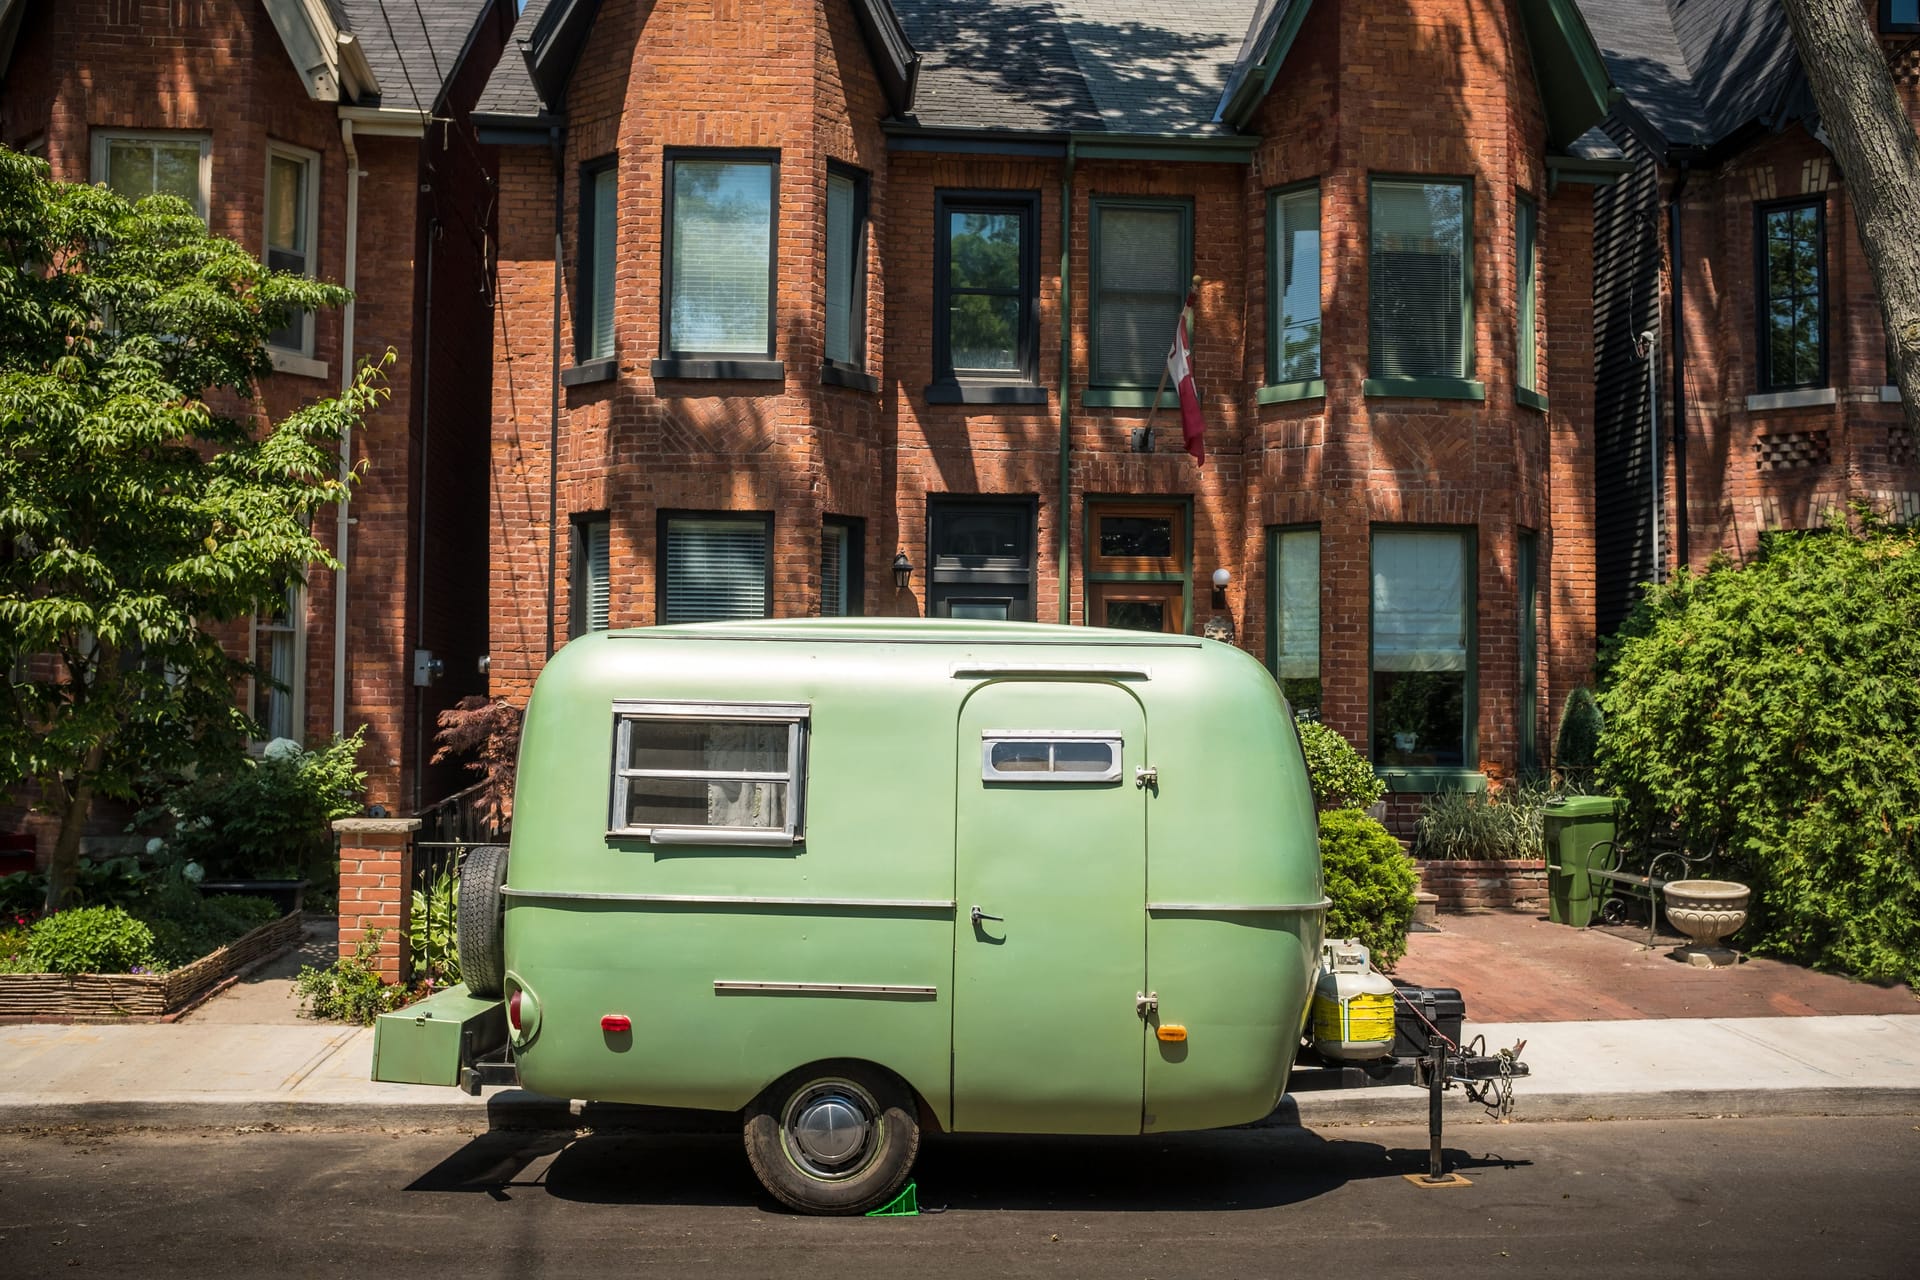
(515, 1109)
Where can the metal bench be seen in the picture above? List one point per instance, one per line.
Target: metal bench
(1643, 871)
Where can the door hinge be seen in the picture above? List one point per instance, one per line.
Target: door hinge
(1147, 776)
(1146, 1004)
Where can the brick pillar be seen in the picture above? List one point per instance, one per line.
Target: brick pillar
(376, 878)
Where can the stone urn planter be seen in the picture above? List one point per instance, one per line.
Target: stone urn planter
(1707, 911)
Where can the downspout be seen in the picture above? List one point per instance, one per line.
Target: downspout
(420, 517)
(1066, 383)
(1675, 261)
(349, 279)
(553, 409)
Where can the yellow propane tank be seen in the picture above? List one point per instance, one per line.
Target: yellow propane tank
(1352, 1005)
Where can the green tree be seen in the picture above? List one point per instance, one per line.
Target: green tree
(142, 494)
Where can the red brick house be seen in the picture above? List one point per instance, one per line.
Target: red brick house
(334, 141)
(844, 307)
(1768, 404)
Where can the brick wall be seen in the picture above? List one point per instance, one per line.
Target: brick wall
(376, 884)
(1484, 886)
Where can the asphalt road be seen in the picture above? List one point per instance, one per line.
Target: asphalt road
(1732, 1197)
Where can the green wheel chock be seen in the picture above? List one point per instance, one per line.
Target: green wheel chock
(904, 1205)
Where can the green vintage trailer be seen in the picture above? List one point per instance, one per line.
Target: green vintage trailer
(852, 878)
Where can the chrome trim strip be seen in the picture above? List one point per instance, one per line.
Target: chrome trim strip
(1244, 908)
(964, 669)
(721, 900)
(832, 988)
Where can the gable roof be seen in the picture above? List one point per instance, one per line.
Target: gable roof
(1699, 74)
(1127, 67)
(413, 49)
(529, 83)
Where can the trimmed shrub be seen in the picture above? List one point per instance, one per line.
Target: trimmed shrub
(89, 940)
(1464, 824)
(1342, 778)
(1370, 882)
(1773, 711)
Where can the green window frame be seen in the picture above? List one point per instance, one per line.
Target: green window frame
(1420, 330)
(1141, 271)
(1294, 357)
(1790, 297)
(1423, 656)
(715, 566)
(591, 597)
(599, 228)
(1293, 615)
(1526, 372)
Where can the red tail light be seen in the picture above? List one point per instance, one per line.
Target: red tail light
(513, 1010)
(616, 1022)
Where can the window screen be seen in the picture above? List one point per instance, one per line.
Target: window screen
(1296, 617)
(720, 281)
(1417, 298)
(1139, 287)
(716, 568)
(1420, 635)
(728, 772)
(1294, 288)
(844, 292)
(602, 225)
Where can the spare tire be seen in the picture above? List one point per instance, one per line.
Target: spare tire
(478, 927)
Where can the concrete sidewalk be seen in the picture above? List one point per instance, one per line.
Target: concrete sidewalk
(1612, 1030)
(222, 1075)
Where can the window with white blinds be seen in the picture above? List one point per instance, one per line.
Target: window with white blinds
(842, 579)
(846, 266)
(1140, 274)
(1293, 287)
(1527, 238)
(1419, 304)
(1295, 601)
(600, 222)
(715, 568)
(592, 584)
(720, 277)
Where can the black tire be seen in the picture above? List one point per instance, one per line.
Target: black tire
(477, 929)
(843, 1174)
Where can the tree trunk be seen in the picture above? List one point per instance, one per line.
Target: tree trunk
(1873, 138)
(76, 805)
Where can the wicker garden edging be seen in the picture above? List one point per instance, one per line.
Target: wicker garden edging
(67, 995)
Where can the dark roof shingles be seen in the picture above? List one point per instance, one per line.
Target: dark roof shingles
(413, 47)
(1701, 72)
(510, 89)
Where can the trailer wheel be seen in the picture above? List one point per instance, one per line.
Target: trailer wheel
(477, 930)
(833, 1138)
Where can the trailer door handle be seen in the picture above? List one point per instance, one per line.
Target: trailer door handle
(979, 915)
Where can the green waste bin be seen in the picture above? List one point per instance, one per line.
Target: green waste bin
(1571, 827)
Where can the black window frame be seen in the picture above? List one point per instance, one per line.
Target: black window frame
(579, 572)
(948, 579)
(587, 263)
(675, 363)
(1890, 27)
(1763, 295)
(663, 523)
(851, 373)
(953, 386)
(1097, 207)
(855, 575)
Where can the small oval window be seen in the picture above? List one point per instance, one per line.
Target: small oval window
(1008, 757)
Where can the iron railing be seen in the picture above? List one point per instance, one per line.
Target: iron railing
(448, 828)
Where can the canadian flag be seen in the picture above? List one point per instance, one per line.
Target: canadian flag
(1180, 369)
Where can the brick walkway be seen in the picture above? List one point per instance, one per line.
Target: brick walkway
(1515, 966)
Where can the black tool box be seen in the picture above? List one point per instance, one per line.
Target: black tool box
(1415, 1007)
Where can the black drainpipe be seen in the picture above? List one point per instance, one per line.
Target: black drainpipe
(1675, 261)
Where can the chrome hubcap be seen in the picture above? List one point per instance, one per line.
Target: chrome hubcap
(829, 1128)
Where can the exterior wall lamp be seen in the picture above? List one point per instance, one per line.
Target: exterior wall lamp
(1220, 580)
(902, 570)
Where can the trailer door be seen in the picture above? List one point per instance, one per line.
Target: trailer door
(1050, 854)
